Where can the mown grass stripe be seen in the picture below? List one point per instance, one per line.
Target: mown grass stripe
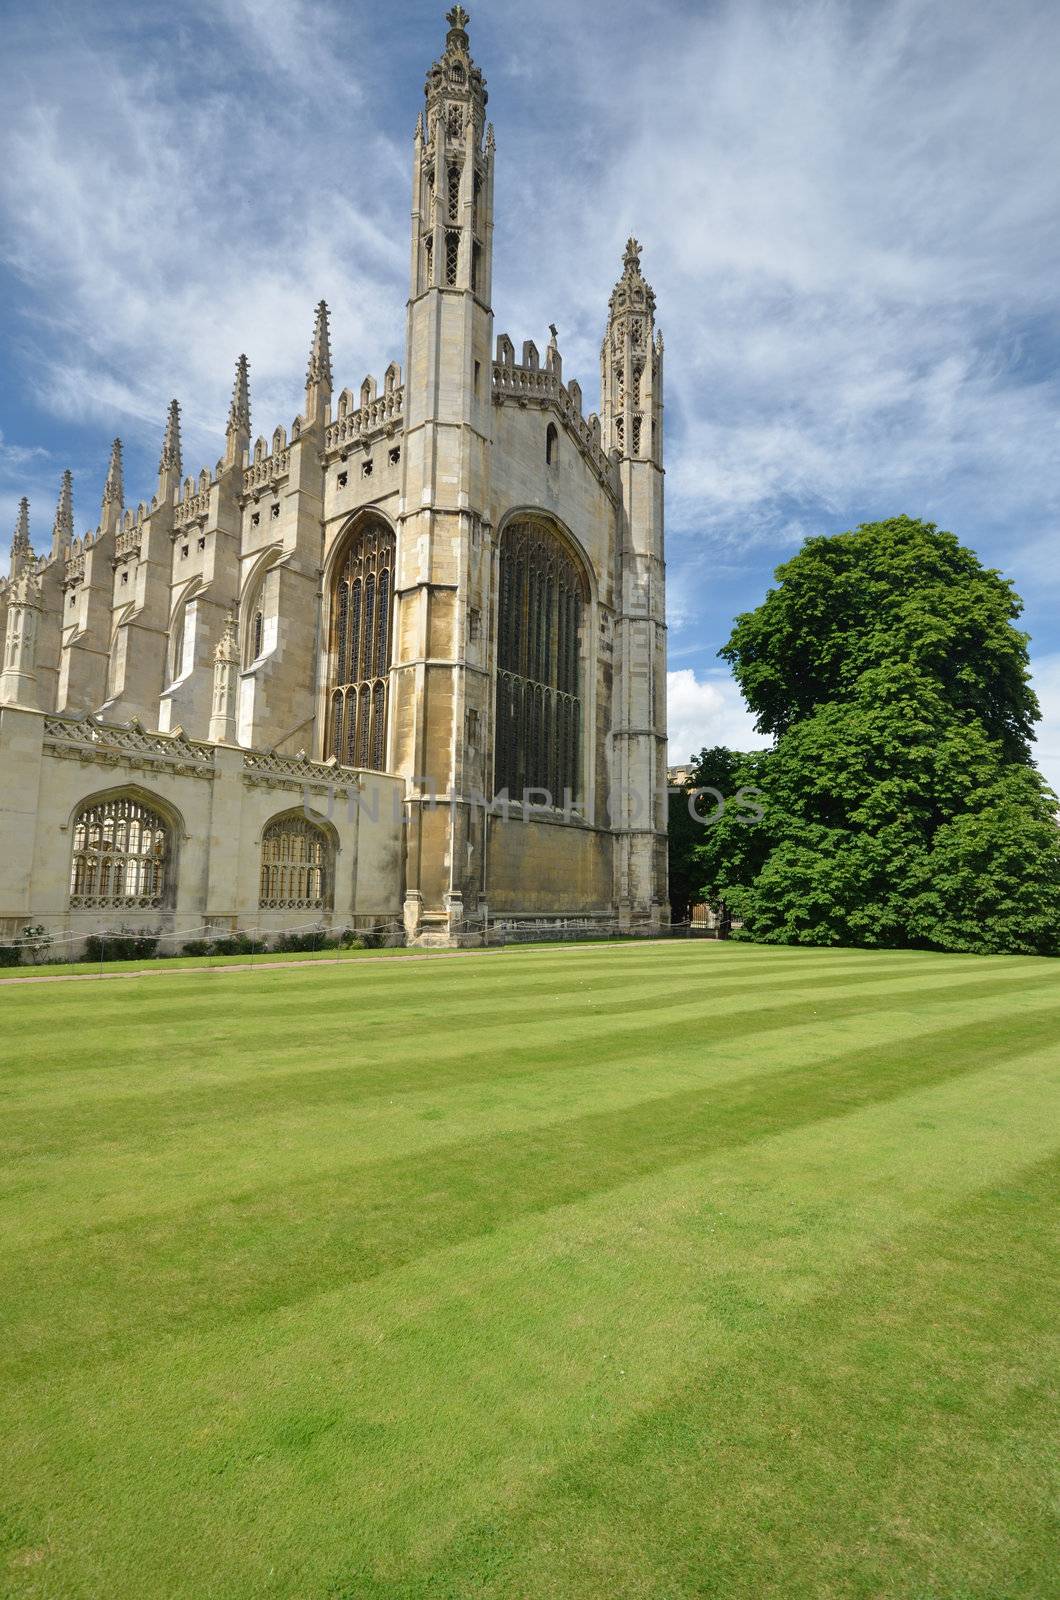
(210, 1141)
(138, 1280)
(357, 1435)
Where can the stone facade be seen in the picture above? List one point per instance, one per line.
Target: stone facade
(431, 584)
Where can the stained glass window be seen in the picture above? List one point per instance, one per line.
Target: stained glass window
(360, 645)
(121, 856)
(543, 596)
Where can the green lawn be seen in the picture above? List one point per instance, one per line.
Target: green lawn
(653, 1270)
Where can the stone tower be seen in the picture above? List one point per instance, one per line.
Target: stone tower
(444, 522)
(631, 389)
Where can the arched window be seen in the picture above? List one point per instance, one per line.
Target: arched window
(116, 656)
(297, 865)
(254, 636)
(551, 445)
(121, 856)
(361, 604)
(543, 594)
(182, 640)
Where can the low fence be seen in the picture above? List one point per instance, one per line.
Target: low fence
(35, 946)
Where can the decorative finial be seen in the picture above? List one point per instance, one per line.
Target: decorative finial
(457, 18)
(21, 551)
(631, 259)
(170, 459)
(63, 526)
(319, 369)
(228, 644)
(239, 410)
(114, 488)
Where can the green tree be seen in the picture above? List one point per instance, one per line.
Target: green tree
(901, 807)
(715, 769)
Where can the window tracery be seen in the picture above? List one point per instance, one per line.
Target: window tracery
(121, 856)
(361, 627)
(542, 600)
(297, 866)
(452, 259)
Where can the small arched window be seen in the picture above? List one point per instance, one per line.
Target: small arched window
(543, 597)
(297, 866)
(254, 642)
(116, 657)
(362, 600)
(122, 856)
(182, 640)
(551, 445)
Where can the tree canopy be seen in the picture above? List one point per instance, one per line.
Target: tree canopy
(900, 804)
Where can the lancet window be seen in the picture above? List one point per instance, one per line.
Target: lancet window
(122, 856)
(362, 601)
(543, 596)
(297, 866)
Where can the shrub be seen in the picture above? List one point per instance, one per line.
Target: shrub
(121, 946)
(317, 939)
(196, 947)
(10, 955)
(238, 944)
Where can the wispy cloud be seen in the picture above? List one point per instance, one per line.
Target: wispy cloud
(848, 211)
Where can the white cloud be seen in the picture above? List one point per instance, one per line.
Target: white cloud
(1046, 679)
(165, 232)
(706, 711)
(847, 212)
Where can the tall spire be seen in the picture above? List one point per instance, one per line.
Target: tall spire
(238, 430)
(452, 175)
(318, 372)
(455, 81)
(63, 526)
(239, 410)
(631, 362)
(113, 491)
(319, 369)
(21, 549)
(170, 459)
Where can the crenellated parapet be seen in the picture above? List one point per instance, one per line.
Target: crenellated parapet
(529, 383)
(378, 414)
(194, 505)
(267, 470)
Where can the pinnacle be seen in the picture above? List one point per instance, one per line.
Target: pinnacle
(21, 550)
(21, 538)
(63, 526)
(319, 369)
(170, 459)
(239, 410)
(114, 488)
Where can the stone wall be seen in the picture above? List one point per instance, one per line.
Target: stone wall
(217, 800)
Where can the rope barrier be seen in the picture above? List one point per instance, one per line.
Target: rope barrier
(256, 940)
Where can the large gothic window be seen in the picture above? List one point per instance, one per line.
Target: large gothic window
(296, 866)
(121, 856)
(360, 649)
(543, 595)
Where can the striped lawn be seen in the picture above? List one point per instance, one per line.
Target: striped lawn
(649, 1270)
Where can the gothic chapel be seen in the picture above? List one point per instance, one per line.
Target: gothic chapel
(404, 665)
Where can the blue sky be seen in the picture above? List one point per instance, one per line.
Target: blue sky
(849, 213)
